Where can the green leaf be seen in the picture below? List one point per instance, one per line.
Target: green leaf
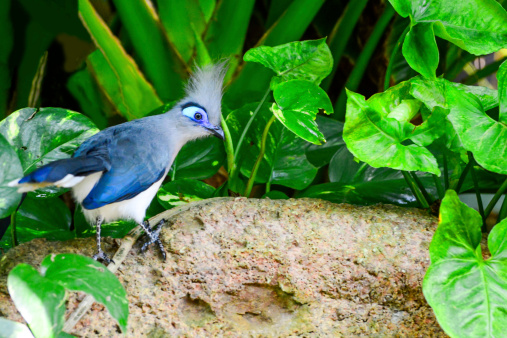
(10, 169)
(480, 134)
(80, 273)
(117, 73)
(377, 140)
(12, 329)
(309, 60)
(40, 301)
(45, 135)
(420, 49)
(463, 23)
(275, 195)
(7, 34)
(297, 105)
(466, 292)
(183, 191)
(199, 159)
(178, 18)
(501, 75)
(284, 160)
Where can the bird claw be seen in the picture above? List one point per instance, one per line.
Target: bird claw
(153, 236)
(102, 256)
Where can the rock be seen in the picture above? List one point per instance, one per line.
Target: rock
(269, 268)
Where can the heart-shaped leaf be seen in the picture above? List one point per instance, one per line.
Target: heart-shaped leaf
(297, 105)
(304, 60)
(10, 169)
(421, 37)
(45, 135)
(199, 159)
(183, 191)
(377, 140)
(80, 273)
(40, 301)
(466, 292)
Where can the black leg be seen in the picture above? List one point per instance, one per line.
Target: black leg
(100, 254)
(153, 235)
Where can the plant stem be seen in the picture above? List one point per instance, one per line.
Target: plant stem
(484, 72)
(247, 127)
(362, 62)
(495, 199)
(477, 191)
(439, 187)
(427, 196)
(229, 147)
(393, 56)
(463, 176)
(257, 164)
(415, 190)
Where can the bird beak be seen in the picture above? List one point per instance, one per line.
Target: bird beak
(217, 131)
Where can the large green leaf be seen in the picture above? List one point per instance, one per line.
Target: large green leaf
(421, 38)
(160, 63)
(297, 105)
(80, 273)
(502, 92)
(302, 60)
(479, 133)
(10, 169)
(199, 159)
(40, 301)
(184, 191)
(466, 292)
(46, 218)
(284, 160)
(179, 19)
(45, 135)
(477, 26)
(377, 140)
(117, 73)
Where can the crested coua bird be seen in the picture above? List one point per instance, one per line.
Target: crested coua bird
(116, 173)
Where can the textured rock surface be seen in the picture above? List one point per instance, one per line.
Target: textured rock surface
(268, 268)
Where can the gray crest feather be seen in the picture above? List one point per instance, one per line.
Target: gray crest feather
(205, 87)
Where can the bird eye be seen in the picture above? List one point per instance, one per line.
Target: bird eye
(195, 113)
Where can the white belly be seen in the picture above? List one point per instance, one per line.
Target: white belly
(134, 208)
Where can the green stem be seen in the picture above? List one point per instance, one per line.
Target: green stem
(229, 147)
(503, 211)
(362, 62)
(438, 185)
(247, 127)
(427, 196)
(484, 72)
(395, 51)
(495, 199)
(477, 191)
(415, 190)
(14, 237)
(340, 35)
(257, 164)
(463, 176)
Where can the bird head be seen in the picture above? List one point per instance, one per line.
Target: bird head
(200, 111)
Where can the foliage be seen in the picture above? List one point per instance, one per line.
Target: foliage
(40, 297)
(404, 145)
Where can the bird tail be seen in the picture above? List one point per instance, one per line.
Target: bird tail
(64, 173)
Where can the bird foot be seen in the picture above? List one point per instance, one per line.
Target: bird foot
(102, 256)
(153, 235)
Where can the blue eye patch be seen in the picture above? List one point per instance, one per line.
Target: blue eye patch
(194, 112)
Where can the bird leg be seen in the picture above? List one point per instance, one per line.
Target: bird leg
(100, 254)
(153, 235)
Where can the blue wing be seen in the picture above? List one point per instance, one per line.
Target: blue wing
(136, 164)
